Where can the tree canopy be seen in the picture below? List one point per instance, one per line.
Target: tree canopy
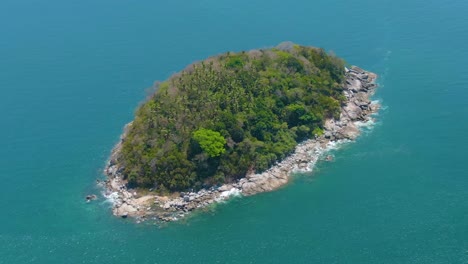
(230, 114)
(210, 141)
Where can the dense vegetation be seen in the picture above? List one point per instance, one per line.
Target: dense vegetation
(229, 115)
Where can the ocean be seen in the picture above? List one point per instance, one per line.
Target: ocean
(73, 72)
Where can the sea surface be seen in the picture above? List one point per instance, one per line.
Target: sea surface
(73, 72)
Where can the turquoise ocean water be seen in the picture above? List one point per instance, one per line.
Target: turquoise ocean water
(72, 73)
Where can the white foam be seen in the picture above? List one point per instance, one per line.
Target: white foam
(332, 145)
(369, 124)
(112, 197)
(229, 193)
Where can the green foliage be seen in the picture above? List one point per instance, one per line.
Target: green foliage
(232, 113)
(317, 131)
(210, 141)
(235, 62)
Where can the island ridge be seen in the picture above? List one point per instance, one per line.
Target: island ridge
(235, 123)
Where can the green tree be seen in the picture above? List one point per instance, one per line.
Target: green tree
(210, 141)
(253, 108)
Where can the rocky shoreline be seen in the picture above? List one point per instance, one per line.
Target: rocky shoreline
(359, 88)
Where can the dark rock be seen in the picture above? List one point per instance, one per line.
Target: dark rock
(91, 197)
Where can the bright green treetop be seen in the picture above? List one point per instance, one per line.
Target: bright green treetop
(210, 141)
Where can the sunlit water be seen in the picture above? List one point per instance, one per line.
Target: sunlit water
(72, 73)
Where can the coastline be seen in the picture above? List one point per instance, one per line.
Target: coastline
(359, 87)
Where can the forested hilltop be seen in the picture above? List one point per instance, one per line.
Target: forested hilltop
(230, 115)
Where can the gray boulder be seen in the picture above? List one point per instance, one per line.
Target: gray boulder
(348, 132)
(354, 112)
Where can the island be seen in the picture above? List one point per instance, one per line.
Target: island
(235, 124)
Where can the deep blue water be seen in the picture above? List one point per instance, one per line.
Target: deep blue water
(72, 73)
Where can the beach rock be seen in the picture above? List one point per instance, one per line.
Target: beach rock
(362, 97)
(348, 132)
(125, 210)
(364, 105)
(357, 69)
(224, 188)
(354, 85)
(91, 197)
(353, 111)
(268, 180)
(330, 125)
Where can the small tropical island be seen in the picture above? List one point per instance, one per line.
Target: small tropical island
(235, 124)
